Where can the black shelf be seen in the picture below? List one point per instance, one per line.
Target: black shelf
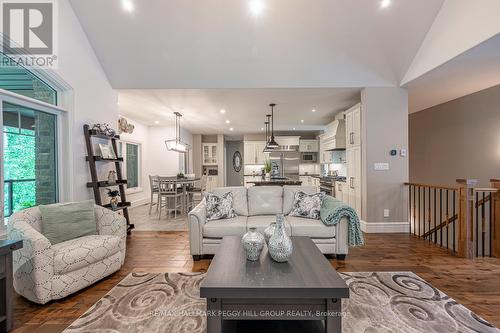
(105, 183)
(121, 205)
(96, 184)
(99, 158)
(93, 133)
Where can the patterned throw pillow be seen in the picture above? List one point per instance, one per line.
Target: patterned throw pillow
(307, 205)
(219, 207)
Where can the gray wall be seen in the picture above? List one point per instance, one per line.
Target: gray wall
(233, 178)
(457, 139)
(384, 126)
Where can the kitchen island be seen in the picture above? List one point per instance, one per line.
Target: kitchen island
(274, 182)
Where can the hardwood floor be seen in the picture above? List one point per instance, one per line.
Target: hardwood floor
(475, 284)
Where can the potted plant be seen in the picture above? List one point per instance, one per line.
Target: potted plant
(267, 168)
(113, 201)
(180, 175)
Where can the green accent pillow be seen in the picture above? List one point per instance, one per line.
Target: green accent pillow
(67, 221)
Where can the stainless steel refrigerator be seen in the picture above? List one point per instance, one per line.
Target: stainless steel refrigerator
(285, 164)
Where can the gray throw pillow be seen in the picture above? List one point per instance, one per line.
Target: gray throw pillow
(307, 205)
(219, 207)
(67, 221)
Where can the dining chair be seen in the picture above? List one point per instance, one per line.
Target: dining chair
(197, 193)
(167, 189)
(153, 185)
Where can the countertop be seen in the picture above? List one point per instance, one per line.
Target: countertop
(275, 182)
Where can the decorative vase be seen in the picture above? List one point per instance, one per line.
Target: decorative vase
(268, 175)
(114, 203)
(280, 245)
(269, 232)
(253, 243)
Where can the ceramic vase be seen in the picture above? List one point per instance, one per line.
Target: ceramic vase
(280, 245)
(269, 232)
(253, 243)
(114, 203)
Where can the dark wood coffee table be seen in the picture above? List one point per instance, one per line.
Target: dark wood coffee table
(306, 288)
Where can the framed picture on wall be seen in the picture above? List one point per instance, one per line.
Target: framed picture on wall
(107, 151)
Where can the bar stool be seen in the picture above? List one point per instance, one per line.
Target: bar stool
(167, 189)
(153, 184)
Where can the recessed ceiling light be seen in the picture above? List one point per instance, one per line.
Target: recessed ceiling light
(128, 6)
(222, 111)
(313, 110)
(256, 7)
(302, 121)
(231, 129)
(385, 3)
(228, 121)
(157, 122)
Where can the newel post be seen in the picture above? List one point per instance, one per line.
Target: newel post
(466, 217)
(495, 246)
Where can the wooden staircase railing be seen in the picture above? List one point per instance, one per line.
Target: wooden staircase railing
(460, 219)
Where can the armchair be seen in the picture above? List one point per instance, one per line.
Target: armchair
(44, 272)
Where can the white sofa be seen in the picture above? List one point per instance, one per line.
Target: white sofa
(257, 207)
(44, 272)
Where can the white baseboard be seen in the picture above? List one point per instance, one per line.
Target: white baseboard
(140, 202)
(385, 227)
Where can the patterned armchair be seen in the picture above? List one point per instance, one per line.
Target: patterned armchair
(44, 272)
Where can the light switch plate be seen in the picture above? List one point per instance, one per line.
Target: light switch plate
(381, 166)
(386, 213)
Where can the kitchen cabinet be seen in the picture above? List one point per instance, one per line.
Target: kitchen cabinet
(326, 157)
(353, 126)
(254, 152)
(309, 146)
(353, 157)
(340, 188)
(212, 182)
(309, 181)
(209, 153)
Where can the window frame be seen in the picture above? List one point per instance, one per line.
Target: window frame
(139, 144)
(28, 102)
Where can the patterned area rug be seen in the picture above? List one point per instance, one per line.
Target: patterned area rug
(379, 302)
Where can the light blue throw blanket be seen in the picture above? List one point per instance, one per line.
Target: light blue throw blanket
(332, 210)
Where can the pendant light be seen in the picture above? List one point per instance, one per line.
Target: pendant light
(177, 144)
(266, 148)
(272, 144)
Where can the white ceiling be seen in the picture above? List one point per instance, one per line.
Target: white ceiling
(245, 108)
(473, 70)
(220, 44)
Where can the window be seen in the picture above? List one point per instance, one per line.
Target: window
(29, 158)
(131, 167)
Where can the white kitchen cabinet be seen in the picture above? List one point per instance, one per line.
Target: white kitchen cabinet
(212, 182)
(309, 146)
(353, 126)
(326, 157)
(209, 153)
(254, 152)
(315, 181)
(353, 157)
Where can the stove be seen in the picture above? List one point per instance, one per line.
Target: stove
(327, 184)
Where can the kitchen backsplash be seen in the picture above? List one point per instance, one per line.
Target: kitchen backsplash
(250, 168)
(311, 169)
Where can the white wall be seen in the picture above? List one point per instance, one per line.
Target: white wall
(155, 158)
(90, 100)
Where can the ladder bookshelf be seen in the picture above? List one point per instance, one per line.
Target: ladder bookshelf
(97, 184)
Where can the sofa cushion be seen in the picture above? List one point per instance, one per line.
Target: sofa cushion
(307, 205)
(82, 252)
(219, 207)
(261, 222)
(240, 202)
(309, 227)
(237, 226)
(265, 200)
(289, 195)
(66, 221)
